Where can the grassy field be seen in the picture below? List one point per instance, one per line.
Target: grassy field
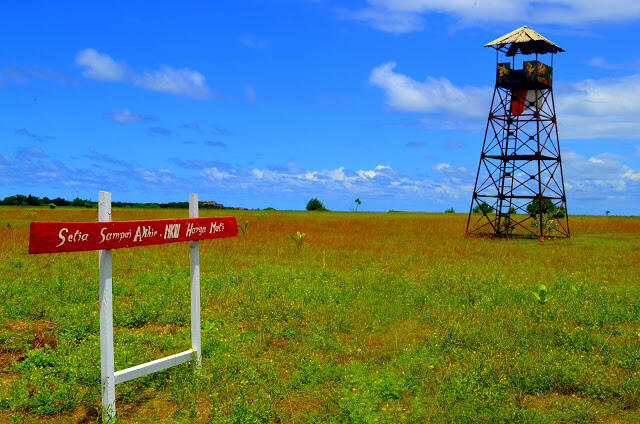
(378, 318)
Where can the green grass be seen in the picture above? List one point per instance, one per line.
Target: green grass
(378, 318)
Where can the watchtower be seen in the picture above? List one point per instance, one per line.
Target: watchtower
(519, 188)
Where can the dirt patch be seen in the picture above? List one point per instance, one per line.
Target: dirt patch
(36, 333)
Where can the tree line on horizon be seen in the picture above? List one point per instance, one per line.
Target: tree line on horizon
(31, 200)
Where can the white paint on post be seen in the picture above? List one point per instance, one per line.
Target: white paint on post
(106, 318)
(195, 287)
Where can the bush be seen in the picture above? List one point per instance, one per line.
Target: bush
(315, 205)
(52, 205)
(450, 210)
(483, 207)
(548, 208)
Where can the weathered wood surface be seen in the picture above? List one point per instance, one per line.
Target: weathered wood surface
(54, 237)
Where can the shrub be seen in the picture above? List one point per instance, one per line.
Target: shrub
(450, 210)
(483, 207)
(52, 205)
(315, 205)
(548, 209)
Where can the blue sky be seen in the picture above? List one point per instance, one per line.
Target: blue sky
(269, 103)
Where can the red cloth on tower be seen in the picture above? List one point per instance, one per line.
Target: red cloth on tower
(518, 98)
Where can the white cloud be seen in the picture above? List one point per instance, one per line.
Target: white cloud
(126, 115)
(605, 108)
(385, 19)
(100, 66)
(214, 174)
(180, 82)
(382, 180)
(601, 176)
(434, 95)
(399, 16)
(441, 166)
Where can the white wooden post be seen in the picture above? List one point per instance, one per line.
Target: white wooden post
(110, 377)
(106, 318)
(194, 257)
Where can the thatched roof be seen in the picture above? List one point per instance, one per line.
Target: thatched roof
(525, 40)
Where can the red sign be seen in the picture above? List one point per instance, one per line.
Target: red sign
(53, 237)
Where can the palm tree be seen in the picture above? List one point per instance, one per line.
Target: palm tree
(358, 203)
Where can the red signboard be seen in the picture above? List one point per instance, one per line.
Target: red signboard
(53, 237)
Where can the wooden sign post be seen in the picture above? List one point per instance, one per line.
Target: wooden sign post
(105, 235)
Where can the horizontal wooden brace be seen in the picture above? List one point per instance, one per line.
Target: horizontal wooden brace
(153, 366)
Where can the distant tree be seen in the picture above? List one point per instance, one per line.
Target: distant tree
(33, 200)
(483, 207)
(78, 202)
(10, 201)
(607, 213)
(450, 210)
(512, 210)
(59, 201)
(358, 203)
(548, 209)
(269, 209)
(315, 205)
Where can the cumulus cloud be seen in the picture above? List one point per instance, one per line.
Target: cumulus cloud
(180, 82)
(398, 16)
(100, 66)
(601, 176)
(434, 95)
(604, 108)
(381, 180)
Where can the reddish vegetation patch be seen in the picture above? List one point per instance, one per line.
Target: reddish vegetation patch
(299, 404)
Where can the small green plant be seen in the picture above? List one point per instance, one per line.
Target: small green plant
(243, 228)
(541, 294)
(298, 239)
(450, 210)
(52, 205)
(315, 205)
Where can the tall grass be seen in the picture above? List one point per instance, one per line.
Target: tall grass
(379, 318)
